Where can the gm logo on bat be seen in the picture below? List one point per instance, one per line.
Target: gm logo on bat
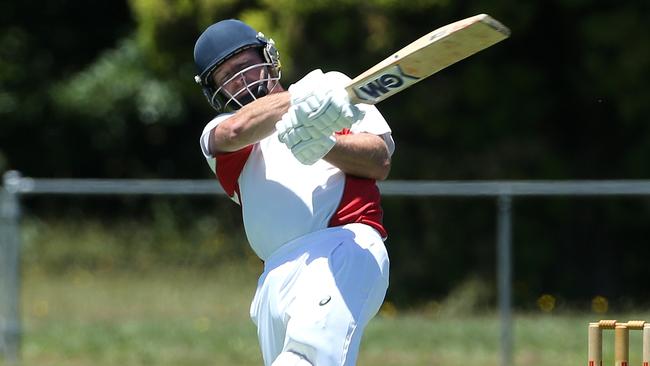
(387, 83)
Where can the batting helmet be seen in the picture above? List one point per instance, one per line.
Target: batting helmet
(221, 41)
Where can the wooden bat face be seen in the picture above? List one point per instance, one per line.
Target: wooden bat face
(426, 56)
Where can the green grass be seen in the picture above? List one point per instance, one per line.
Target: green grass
(169, 318)
(182, 317)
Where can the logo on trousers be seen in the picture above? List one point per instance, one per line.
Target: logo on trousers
(325, 300)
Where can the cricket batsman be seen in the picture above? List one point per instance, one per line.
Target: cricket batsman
(302, 163)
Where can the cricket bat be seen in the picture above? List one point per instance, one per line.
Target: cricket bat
(426, 56)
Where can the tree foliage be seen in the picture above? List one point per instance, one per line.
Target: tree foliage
(565, 97)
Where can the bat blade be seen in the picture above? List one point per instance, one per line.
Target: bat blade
(425, 56)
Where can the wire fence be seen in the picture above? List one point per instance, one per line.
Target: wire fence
(15, 186)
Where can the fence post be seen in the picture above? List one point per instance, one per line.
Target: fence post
(10, 332)
(504, 274)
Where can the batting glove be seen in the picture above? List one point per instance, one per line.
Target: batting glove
(320, 107)
(314, 84)
(310, 151)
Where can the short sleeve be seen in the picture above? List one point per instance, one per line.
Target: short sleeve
(373, 122)
(204, 141)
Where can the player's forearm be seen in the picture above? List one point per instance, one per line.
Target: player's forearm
(250, 124)
(363, 155)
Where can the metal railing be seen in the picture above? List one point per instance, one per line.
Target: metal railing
(15, 186)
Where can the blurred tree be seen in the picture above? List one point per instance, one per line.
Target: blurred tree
(564, 98)
(41, 43)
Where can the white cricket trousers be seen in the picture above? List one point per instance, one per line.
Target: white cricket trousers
(318, 292)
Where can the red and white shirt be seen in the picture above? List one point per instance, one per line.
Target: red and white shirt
(282, 199)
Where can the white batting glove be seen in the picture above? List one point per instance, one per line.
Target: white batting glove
(312, 84)
(333, 112)
(301, 122)
(320, 107)
(310, 151)
(291, 136)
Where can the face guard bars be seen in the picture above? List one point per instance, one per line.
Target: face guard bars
(220, 99)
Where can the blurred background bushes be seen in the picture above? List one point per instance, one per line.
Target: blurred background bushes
(106, 90)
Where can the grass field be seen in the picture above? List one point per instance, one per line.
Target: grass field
(178, 317)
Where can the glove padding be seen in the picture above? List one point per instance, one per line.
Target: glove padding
(320, 107)
(311, 150)
(314, 83)
(328, 113)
